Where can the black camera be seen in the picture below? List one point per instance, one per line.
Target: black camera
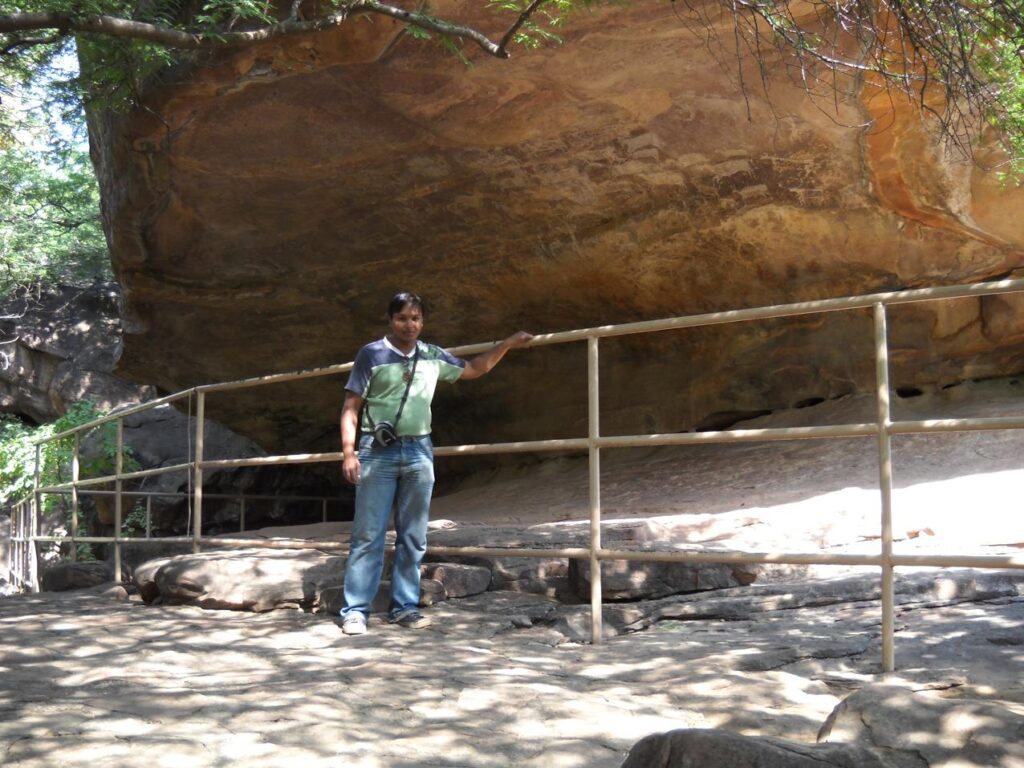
(384, 434)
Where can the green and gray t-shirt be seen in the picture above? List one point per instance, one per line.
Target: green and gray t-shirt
(378, 376)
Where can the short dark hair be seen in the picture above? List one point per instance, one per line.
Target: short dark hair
(401, 300)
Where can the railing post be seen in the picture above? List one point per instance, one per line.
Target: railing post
(76, 474)
(149, 517)
(593, 433)
(241, 516)
(197, 503)
(31, 550)
(885, 486)
(12, 552)
(325, 509)
(118, 498)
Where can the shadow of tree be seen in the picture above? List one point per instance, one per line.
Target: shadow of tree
(90, 680)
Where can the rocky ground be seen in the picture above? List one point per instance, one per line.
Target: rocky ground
(501, 679)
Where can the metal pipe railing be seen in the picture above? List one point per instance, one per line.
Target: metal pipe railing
(885, 485)
(25, 521)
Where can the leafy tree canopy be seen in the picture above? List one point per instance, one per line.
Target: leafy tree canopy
(50, 228)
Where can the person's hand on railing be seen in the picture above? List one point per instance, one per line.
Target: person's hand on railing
(483, 363)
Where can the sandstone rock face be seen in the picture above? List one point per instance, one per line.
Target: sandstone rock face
(266, 204)
(66, 342)
(65, 345)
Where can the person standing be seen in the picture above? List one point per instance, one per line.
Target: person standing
(387, 402)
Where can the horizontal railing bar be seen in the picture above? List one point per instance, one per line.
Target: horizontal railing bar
(186, 494)
(738, 435)
(111, 539)
(526, 446)
(80, 484)
(271, 543)
(154, 471)
(733, 556)
(277, 378)
(579, 553)
(956, 425)
(958, 561)
(261, 461)
(766, 313)
(119, 415)
(649, 326)
(618, 441)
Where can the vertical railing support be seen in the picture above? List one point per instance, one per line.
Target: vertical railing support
(76, 475)
(149, 517)
(197, 474)
(32, 549)
(118, 498)
(325, 509)
(12, 551)
(241, 516)
(593, 433)
(885, 486)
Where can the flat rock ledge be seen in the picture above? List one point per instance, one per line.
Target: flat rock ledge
(263, 579)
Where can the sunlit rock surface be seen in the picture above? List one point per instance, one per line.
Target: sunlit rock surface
(265, 205)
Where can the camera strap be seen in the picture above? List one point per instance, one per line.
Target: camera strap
(405, 395)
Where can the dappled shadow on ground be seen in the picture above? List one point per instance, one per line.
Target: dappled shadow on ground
(102, 682)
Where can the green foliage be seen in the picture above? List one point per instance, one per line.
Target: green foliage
(539, 29)
(50, 227)
(98, 458)
(18, 456)
(218, 14)
(134, 523)
(1001, 61)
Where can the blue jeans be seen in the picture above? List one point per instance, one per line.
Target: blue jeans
(399, 476)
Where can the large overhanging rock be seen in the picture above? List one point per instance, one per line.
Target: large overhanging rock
(264, 205)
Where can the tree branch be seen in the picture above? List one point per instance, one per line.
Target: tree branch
(523, 17)
(112, 26)
(29, 42)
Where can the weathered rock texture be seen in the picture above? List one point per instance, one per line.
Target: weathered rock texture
(265, 204)
(708, 748)
(63, 346)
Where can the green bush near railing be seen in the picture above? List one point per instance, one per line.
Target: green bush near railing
(18, 457)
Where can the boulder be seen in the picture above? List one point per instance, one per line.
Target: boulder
(712, 748)
(263, 579)
(634, 580)
(83, 574)
(458, 580)
(938, 727)
(548, 576)
(248, 579)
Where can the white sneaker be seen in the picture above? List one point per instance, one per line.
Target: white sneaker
(354, 624)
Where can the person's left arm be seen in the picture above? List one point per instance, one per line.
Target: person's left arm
(485, 361)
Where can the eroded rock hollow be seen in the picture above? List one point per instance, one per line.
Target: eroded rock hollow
(266, 203)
